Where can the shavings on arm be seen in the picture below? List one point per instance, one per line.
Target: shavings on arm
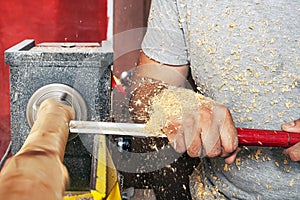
(170, 104)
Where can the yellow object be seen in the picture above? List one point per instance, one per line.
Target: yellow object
(115, 193)
(97, 195)
(106, 184)
(99, 192)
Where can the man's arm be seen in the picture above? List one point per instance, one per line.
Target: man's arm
(149, 79)
(195, 130)
(170, 74)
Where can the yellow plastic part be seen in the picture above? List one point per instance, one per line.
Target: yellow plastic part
(107, 186)
(97, 195)
(115, 194)
(101, 169)
(107, 178)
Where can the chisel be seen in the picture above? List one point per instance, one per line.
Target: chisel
(246, 136)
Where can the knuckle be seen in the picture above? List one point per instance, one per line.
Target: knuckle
(194, 151)
(213, 153)
(226, 111)
(230, 148)
(192, 154)
(294, 157)
(180, 149)
(205, 113)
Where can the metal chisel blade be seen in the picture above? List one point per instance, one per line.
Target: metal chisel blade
(247, 137)
(110, 128)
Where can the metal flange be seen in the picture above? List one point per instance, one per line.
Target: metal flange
(60, 92)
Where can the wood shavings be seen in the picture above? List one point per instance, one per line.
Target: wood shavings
(291, 183)
(202, 190)
(226, 167)
(232, 25)
(287, 170)
(258, 153)
(140, 104)
(251, 26)
(171, 104)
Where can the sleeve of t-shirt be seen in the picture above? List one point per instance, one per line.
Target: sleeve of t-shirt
(164, 40)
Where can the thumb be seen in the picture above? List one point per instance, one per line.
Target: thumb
(292, 126)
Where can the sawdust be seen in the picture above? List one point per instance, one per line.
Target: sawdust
(172, 103)
(199, 187)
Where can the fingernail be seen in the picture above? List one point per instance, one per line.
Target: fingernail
(289, 124)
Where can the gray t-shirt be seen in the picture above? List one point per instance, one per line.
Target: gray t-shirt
(245, 55)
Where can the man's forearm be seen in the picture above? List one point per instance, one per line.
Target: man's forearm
(170, 74)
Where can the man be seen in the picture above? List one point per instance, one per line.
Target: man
(245, 56)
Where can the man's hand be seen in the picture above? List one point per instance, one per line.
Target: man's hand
(202, 132)
(205, 132)
(294, 151)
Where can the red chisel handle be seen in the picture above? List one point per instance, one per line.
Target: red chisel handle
(267, 138)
